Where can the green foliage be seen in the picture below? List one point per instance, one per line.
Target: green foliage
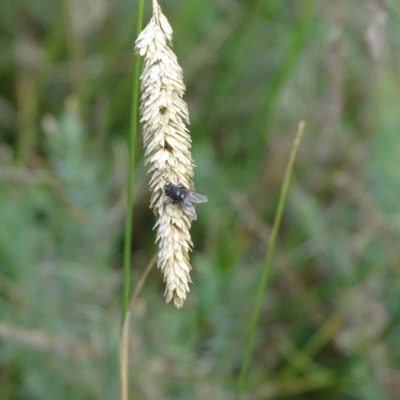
(330, 320)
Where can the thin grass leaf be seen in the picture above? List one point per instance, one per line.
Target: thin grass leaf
(267, 264)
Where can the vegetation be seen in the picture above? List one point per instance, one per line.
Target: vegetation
(330, 317)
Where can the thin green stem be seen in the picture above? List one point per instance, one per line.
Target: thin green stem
(129, 186)
(268, 258)
(124, 337)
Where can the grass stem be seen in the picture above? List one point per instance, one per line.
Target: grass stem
(141, 281)
(123, 357)
(268, 258)
(124, 341)
(129, 185)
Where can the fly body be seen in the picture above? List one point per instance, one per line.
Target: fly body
(184, 198)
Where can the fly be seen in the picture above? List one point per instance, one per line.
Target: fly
(184, 198)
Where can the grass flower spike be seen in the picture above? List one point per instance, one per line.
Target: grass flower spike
(167, 143)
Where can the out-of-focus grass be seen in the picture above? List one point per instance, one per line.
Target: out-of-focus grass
(329, 325)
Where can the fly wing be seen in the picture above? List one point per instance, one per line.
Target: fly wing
(188, 209)
(196, 197)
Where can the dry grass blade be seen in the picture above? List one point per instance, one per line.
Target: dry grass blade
(141, 281)
(124, 334)
(45, 341)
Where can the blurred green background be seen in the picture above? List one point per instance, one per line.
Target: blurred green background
(330, 322)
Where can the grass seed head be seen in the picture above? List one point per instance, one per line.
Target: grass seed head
(167, 143)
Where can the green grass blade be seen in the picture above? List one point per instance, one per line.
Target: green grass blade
(268, 258)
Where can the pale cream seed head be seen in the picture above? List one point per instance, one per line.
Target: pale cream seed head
(167, 143)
